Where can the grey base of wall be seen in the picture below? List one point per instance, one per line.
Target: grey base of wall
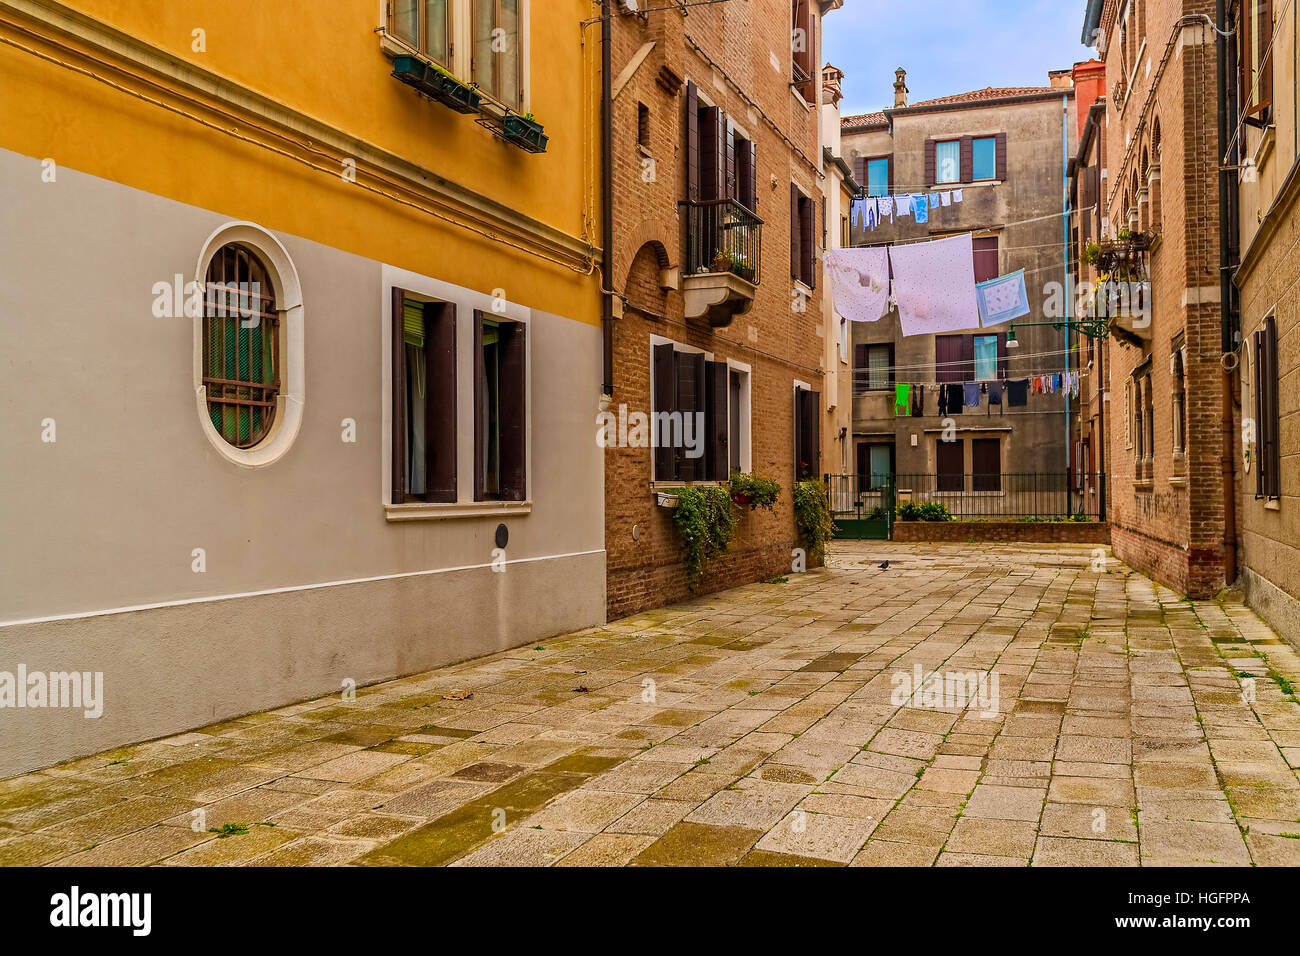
(1063, 532)
(1280, 609)
(172, 669)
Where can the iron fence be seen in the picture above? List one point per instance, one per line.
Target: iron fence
(1064, 496)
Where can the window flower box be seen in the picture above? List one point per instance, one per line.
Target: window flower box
(524, 132)
(437, 83)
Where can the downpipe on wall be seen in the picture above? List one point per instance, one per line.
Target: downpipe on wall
(1228, 327)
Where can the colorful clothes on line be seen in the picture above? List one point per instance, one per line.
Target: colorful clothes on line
(903, 400)
(921, 208)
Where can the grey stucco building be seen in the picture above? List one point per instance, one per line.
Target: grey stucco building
(1006, 149)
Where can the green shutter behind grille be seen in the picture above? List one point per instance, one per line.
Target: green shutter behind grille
(413, 323)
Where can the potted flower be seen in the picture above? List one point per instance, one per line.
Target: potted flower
(722, 261)
(754, 491)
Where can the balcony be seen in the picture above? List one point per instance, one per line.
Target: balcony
(724, 252)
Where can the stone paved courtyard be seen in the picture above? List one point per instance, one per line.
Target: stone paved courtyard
(753, 727)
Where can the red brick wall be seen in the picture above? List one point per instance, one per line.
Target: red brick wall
(1171, 529)
(779, 344)
(1063, 532)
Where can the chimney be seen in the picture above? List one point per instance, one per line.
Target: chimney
(900, 87)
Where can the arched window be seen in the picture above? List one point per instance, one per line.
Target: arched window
(241, 346)
(1155, 139)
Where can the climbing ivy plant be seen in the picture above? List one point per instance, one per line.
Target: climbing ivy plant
(812, 515)
(705, 521)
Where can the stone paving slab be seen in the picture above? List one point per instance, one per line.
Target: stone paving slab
(971, 705)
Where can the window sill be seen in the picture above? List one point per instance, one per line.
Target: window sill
(1144, 484)
(1178, 481)
(1273, 505)
(422, 511)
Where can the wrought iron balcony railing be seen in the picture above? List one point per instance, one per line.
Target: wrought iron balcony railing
(723, 236)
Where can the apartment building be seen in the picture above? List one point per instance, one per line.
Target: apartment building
(716, 210)
(997, 160)
(303, 350)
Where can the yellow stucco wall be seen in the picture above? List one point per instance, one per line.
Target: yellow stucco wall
(325, 60)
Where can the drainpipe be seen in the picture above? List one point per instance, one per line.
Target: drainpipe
(607, 196)
(1228, 333)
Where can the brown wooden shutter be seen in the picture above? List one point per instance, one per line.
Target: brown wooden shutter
(692, 143)
(1088, 197)
(950, 464)
(730, 161)
(808, 242)
(893, 374)
(690, 400)
(665, 400)
(715, 421)
(514, 411)
(931, 174)
(1265, 28)
(1002, 354)
(860, 171)
(967, 344)
(440, 401)
(889, 164)
(808, 434)
(710, 150)
(947, 358)
(796, 258)
(986, 464)
(986, 259)
(480, 373)
(861, 368)
(399, 400)
(967, 150)
(1001, 143)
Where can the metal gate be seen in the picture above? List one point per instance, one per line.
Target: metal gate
(862, 506)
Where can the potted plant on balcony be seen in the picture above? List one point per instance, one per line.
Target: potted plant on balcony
(524, 132)
(722, 261)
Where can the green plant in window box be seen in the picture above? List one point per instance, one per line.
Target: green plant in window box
(756, 491)
(705, 521)
(812, 516)
(436, 82)
(524, 132)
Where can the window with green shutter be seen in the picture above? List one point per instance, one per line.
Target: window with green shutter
(241, 346)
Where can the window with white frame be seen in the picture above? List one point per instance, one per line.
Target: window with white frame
(700, 414)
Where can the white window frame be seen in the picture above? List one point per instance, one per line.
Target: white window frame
(466, 301)
(292, 397)
(746, 413)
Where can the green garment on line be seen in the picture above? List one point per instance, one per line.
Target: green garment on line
(903, 401)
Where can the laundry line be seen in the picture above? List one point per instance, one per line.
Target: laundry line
(1005, 225)
(960, 363)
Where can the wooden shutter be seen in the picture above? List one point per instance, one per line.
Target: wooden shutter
(730, 161)
(440, 401)
(746, 179)
(690, 400)
(889, 165)
(860, 172)
(1002, 357)
(665, 400)
(1268, 479)
(986, 464)
(808, 242)
(692, 143)
(715, 421)
(1001, 140)
(931, 167)
(861, 368)
(399, 399)
(967, 150)
(479, 405)
(514, 410)
(948, 358)
(1088, 199)
(710, 152)
(950, 464)
(808, 433)
(986, 257)
(893, 372)
(796, 258)
(1265, 27)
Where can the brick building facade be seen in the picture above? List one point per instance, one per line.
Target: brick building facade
(717, 213)
(1159, 190)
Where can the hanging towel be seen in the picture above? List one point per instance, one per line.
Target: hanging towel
(920, 208)
(934, 284)
(859, 282)
(918, 401)
(934, 200)
(956, 195)
(887, 207)
(903, 205)
(971, 396)
(1002, 299)
(945, 198)
(1018, 392)
(903, 400)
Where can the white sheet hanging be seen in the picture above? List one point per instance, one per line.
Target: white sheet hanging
(859, 282)
(934, 284)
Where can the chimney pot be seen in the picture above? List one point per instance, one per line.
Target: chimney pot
(900, 87)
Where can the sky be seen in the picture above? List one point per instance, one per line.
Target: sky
(948, 46)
